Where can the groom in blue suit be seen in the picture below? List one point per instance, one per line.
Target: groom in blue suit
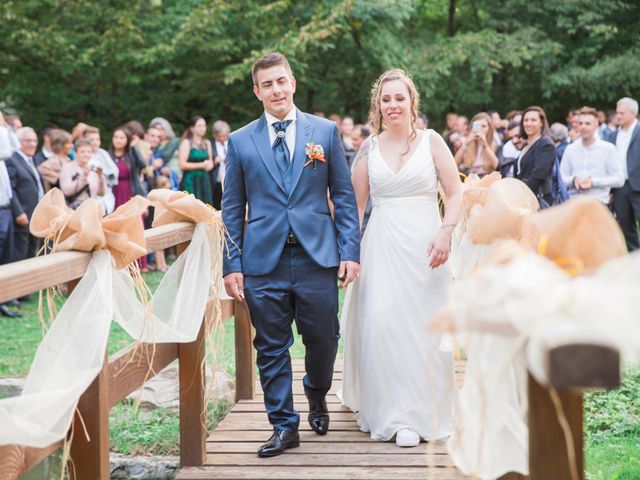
(288, 257)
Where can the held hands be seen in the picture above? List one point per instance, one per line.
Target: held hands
(438, 250)
(348, 272)
(234, 285)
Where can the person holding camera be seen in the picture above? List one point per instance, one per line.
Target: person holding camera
(78, 180)
(479, 153)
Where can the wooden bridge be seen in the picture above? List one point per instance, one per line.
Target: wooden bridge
(229, 452)
(344, 453)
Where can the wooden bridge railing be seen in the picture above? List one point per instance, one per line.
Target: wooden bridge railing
(122, 373)
(571, 369)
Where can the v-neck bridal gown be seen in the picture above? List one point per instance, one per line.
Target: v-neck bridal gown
(395, 375)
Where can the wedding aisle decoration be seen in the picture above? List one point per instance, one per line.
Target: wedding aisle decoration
(72, 352)
(528, 280)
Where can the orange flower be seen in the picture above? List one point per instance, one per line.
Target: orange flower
(314, 153)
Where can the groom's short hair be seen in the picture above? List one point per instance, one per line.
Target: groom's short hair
(267, 61)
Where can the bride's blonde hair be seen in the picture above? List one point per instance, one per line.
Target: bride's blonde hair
(375, 112)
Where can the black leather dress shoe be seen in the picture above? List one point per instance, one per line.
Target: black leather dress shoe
(279, 442)
(319, 416)
(5, 312)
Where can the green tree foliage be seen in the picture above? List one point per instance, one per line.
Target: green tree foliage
(107, 61)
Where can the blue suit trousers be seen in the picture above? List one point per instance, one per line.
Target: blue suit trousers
(299, 290)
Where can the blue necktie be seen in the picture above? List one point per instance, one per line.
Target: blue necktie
(281, 153)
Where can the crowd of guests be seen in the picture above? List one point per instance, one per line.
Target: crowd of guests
(594, 153)
(134, 161)
(591, 153)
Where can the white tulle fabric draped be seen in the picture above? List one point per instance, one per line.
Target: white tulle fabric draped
(536, 305)
(395, 376)
(503, 285)
(72, 352)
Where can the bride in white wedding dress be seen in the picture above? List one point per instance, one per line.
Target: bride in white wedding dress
(395, 375)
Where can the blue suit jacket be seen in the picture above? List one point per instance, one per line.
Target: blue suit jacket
(252, 179)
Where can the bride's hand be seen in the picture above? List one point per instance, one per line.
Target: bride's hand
(438, 250)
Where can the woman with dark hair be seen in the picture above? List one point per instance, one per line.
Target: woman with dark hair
(129, 163)
(195, 156)
(538, 156)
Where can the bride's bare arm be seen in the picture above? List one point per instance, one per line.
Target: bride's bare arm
(448, 177)
(360, 177)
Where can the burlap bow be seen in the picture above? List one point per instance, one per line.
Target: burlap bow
(171, 207)
(85, 229)
(506, 209)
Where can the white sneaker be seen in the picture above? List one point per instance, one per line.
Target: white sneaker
(407, 438)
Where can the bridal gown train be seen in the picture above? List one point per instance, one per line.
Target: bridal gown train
(395, 375)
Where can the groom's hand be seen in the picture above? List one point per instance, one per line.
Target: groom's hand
(348, 272)
(234, 285)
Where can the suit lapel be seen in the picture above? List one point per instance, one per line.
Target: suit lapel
(304, 132)
(27, 168)
(260, 138)
(634, 134)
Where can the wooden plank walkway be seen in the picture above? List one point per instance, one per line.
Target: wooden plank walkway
(344, 453)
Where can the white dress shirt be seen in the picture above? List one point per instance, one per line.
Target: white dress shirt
(102, 159)
(597, 161)
(221, 150)
(623, 139)
(6, 145)
(32, 166)
(509, 150)
(290, 136)
(5, 185)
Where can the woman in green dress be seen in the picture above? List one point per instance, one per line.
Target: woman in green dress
(195, 157)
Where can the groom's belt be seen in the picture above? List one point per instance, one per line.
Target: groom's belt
(292, 240)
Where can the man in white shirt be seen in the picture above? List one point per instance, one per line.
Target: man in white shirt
(590, 165)
(221, 131)
(8, 140)
(627, 198)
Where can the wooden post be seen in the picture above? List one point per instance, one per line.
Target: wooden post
(548, 456)
(193, 425)
(245, 360)
(90, 456)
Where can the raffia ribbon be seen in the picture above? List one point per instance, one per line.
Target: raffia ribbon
(86, 230)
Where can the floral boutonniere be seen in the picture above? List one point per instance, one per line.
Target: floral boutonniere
(314, 154)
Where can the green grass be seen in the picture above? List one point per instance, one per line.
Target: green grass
(612, 431)
(156, 432)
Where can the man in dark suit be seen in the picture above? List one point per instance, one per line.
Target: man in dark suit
(7, 203)
(45, 152)
(27, 189)
(626, 200)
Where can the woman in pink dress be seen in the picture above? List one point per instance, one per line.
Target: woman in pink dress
(130, 165)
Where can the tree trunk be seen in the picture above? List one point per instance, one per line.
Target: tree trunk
(452, 16)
